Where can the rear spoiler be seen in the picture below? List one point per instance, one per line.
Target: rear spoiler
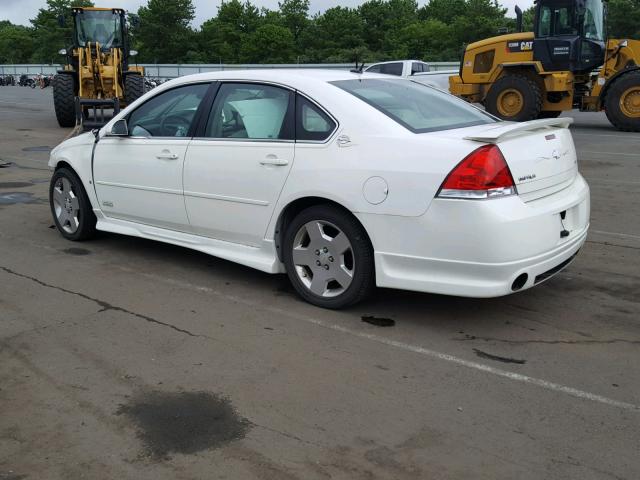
(499, 133)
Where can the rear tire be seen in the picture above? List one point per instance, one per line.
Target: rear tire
(64, 100)
(133, 87)
(70, 206)
(515, 98)
(622, 102)
(333, 265)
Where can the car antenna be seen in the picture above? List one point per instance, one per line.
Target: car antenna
(358, 69)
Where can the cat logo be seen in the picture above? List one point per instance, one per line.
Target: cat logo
(524, 46)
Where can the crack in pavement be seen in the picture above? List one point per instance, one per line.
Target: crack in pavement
(548, 342)
(105, 306)
(609, 244)
(498, 358)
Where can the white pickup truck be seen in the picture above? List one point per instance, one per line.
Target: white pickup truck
(417, 70)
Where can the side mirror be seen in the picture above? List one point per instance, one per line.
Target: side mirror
(62, 51)
(134, 19)
(133, 53)
(120, 129)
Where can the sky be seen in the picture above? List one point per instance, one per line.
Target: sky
(20, 11)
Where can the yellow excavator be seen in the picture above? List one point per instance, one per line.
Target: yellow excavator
(567, 62)
(98, 75)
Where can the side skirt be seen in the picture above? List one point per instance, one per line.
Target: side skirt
(262, 258)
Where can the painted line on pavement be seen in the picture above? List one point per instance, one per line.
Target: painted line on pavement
(556, 387)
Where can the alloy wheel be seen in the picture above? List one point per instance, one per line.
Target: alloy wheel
(323, 258)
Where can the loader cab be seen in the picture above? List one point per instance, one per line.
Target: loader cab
(570, 34)
(105, 26)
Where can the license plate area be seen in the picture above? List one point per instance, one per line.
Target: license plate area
(573, 219)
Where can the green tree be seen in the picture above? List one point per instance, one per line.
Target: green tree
(269, 44)
(48, 35)
(164, 34)
(295, 14)
(426, 40)
(16, 43)
(624, 19)
(334, 36)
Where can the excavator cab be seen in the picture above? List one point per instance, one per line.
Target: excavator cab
(570, 35)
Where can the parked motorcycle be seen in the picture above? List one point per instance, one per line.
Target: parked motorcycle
(25, 81)
(7, 80)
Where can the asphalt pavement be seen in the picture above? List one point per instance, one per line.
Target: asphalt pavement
(122, 358)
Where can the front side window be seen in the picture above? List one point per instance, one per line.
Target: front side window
(415, 106)
(391, 68)
(373, 69)
(169, 114)
(593, 23)
(251, 111)
(312, 124)
(556, 21)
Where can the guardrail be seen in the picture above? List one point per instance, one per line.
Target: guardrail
(164, 71)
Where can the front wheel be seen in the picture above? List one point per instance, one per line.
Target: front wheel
(70, 206)
(622, 103)
(328, 257)
(515, 98)
(134, 87)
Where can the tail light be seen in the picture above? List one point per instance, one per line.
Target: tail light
(484, 173)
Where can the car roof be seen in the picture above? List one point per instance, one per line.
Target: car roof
(396, 61)
(299, 78)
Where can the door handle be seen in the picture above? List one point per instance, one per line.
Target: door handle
(279, 162)
(166, 155)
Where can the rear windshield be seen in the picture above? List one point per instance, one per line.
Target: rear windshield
(415, 106)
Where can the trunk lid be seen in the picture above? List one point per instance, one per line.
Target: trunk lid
(541, 154)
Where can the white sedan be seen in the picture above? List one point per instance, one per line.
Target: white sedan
(342, 181)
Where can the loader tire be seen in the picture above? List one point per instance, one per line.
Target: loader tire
(622, 102)
(133, 88)
(550, 114)
(515, 98)
(64, 99)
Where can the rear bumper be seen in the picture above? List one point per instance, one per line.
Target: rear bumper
(479, 248)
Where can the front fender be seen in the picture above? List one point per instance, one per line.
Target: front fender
(77, 152)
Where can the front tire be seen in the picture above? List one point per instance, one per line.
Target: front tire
(622, 103)
(134, 87)
(64, 100)
(514, 98)
(328, 257)
(70, 206)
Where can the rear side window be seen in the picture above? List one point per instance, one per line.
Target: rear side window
(418, 67)
(415, 106)
(252, 112)
(312, 124)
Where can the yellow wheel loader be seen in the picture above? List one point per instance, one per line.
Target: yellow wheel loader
(97, 75)
(565, 63)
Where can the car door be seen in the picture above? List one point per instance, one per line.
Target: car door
(139, 177)
(237, 165)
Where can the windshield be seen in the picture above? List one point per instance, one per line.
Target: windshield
(594, 20)
(415, 106)
(102, 26)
